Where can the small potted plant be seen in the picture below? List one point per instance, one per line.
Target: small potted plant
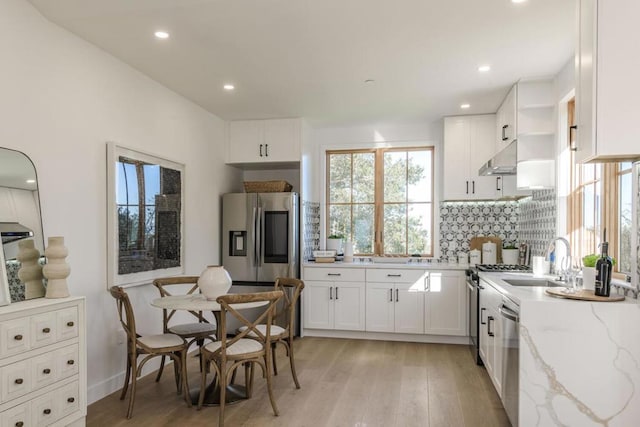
(589, 270)
(510, 254)
(334, 242)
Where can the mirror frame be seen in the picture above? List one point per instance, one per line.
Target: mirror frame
(114, 151)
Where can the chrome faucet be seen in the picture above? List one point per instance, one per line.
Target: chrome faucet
(562, 273)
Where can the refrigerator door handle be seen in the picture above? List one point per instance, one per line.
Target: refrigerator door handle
(259, 238)
(254, 230)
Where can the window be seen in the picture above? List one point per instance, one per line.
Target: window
(382, 199)
(600, 199)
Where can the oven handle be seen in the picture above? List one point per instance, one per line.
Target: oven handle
(508, 313)
(470, 286)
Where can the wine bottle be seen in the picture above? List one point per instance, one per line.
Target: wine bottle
(604, 267)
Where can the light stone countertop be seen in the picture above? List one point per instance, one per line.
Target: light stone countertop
(409, 265)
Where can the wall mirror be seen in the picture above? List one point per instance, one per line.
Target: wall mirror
(145, 217)
(20, 220)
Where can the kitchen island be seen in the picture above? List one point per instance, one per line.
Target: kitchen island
(579, 361)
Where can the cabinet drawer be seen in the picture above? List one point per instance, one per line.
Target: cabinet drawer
(391, 275)
(43, 409)
(67, 360)
(18, 416)
(16, 380)
(335, 274)
(43, 370)
(43, 329)
(14, 337)
(69, 402)
(67, 323)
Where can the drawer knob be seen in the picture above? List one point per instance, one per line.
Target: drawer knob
(70, 362)
(18, 338)
(19, 381)
(46, 330)
(70, 324)
(19, 424)
(47, 411)
(46, 371)
(71, 400)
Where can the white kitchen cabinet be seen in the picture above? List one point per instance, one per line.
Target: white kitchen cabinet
(606, 73)
(469, 141)
(395, 300)
(506, 120)
(43, 363)
(7, 207)
(334, 298)
(446, 304)
(490, 334)
(264, 141)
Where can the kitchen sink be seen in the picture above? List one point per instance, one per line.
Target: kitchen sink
(534, 282)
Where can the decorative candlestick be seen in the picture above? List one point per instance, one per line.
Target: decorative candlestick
(56, 270)
(30, 272)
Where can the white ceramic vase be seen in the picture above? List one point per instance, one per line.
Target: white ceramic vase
(336, 245)
(56, 270)
(589, 278)
(214, 281)
(510, 256)
(30, 272)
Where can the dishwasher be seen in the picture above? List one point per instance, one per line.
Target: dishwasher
(510, 318)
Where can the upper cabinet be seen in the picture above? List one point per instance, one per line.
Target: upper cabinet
(606, 74)
(264, 141)
(468, 141)
(506, 123)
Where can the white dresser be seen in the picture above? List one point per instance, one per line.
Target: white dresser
(43, 366)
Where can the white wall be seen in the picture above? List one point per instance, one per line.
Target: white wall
(62, 100)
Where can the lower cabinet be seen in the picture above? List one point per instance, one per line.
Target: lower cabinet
(491, 336)
(446, 304)
(334, 299)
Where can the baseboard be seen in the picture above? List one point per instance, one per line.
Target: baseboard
(384, 336)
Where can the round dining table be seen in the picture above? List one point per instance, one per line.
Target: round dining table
(198, 302)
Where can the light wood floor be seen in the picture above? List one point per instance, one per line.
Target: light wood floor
(344, 383)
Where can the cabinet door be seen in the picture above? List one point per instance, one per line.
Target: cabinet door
(349, 301)
(17, 416)
(409, 309)
(318, 305)
(456, 182)
(380, 307)
(244, 141)
(506, 124)
(483, 336)
(282, 138)
(481, 146)
(446, 304)
(498, 346)
(585, 75)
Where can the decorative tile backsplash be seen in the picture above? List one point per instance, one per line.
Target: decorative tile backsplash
(461, 221)
(538, 220)
(311, 227)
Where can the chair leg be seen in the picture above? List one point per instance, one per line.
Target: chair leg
(270, 389)
(132, 396)
(160, 369)
(273, 358)
(248, 379)
(292, 363)
(176, 375)
(223, 392)
(126, 378)
(203, 382)
(184, 376)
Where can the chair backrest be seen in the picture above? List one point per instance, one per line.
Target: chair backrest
(169, 286)
(287, 306)
(265, 318)
(125, 313)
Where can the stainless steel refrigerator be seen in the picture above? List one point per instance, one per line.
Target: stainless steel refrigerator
(260, 236)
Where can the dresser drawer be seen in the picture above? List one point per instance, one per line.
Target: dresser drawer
(334, 274)
(44, 370)
(16, 380)
(391, 275)
(14, 337)
(44, 410)
(67, 323)
(18, 416)
(67, 360)
(69, 399)
(43, 329)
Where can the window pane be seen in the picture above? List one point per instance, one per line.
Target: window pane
(624, 250)
(395, 234)
(419, 176)
(339, 178)
(419, 229)
(126, 184)
(364, 177)
(588, 173)
(625, 165)
(363, 220)
(339, 220)
(395, 176)
(151, 183)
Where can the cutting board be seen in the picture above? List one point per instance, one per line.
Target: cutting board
(476, 243)
(583, 294)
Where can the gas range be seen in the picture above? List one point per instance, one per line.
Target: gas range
(504, 268)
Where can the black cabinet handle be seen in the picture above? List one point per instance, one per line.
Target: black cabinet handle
(394, 275)
(336, 292)
(46, 371)
(19, 381)
(266, 150)
(473, 187)
(70, 362)
(18, 338)
(46, 330)
(467, 187)
(331, 292)
(390, 294)
(498, 178)
(70, 324)
(260, 150)
(489, 331)
(397, 295)
(47, 411)
(573, 146)
(482, 322)
(504, 132)
(19, 424)
(334, 274)
(71, 400)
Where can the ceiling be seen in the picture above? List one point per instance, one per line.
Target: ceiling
(310, 58)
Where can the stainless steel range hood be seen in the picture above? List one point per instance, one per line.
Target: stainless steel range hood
(503, 163)
(12, 231)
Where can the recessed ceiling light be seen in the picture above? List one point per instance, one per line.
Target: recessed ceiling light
(161, 34)
(229, 87)
(465, 106)
(484, 68)
(31, 181)
(518, 1)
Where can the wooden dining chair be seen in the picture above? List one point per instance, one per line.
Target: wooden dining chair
(286, 312)
(151, 346)
(229, 353)
(194, 332)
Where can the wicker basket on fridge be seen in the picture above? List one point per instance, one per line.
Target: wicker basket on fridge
(267, 187)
